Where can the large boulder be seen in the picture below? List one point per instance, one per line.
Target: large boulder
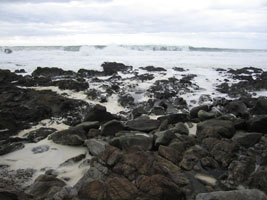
(258, 124)
(224, 152)
(215, 128)
(72, 136)
(69, 84)
(247, 139)
(116, 188)
(111, 68)
(51, 72)
(98, 113)
(238, 108)
(144, 125)
(45, 186)
(260, 108)
(159, 187)
(170, 154)
(153, 69)
(95, 146)
(40, 134)
(248, 194)
(111, 128)
(127, 141)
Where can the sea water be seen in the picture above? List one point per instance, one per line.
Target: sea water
(91, 57)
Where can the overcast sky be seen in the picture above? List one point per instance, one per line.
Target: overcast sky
(212, 23)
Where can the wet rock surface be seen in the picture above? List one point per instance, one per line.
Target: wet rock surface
(158, 147)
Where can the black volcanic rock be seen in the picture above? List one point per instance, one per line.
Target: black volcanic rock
(111, 68)
(153, 69)
(98, 113)
(20, 107)
(71, 85)
(145, 125)
(51, 72)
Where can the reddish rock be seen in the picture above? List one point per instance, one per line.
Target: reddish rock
(94, 190)
(170, 154)
(158, 187)
(121, 189)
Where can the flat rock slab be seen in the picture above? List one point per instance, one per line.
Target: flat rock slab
(233, 195)
(145, 125)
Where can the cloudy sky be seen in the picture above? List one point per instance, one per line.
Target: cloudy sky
(212, 23)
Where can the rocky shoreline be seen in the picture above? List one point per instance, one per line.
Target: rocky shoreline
(157, 145)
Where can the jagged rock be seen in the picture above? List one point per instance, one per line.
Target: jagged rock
(73, 160)
(111, 128)
(215, 128)
(126, 142)
(170, 154)
(164, 137)
(258, 124)
(209, 163)
(135, 162)
(191, 157)
(98, 113)
(95, 146)
(247, 139)
(69, 84)
(153, 69)
(144, 125)
(158, 187)
(45, 186)
(114, 188)
(247, 194)
(111, 68)
(30, 106)
(96, 171)
(72, 136)
(181, 128)
(126, 100)
(178, 69)
(6, 76)
(94, 190)
(51, 72)
(40, 134)
(240, 171)
(120, 188)
(224, 152)
(89, 73)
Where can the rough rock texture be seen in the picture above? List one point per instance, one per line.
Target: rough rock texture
(233, 195)
(144, 125)
(45, 187)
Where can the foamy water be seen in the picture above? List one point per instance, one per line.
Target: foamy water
(90, 57)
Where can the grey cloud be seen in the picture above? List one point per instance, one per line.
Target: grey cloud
(45, 1)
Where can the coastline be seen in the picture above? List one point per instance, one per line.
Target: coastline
(132, 126)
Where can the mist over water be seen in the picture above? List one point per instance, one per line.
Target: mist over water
(91, 57)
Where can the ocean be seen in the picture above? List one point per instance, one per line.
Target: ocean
(91, 57)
